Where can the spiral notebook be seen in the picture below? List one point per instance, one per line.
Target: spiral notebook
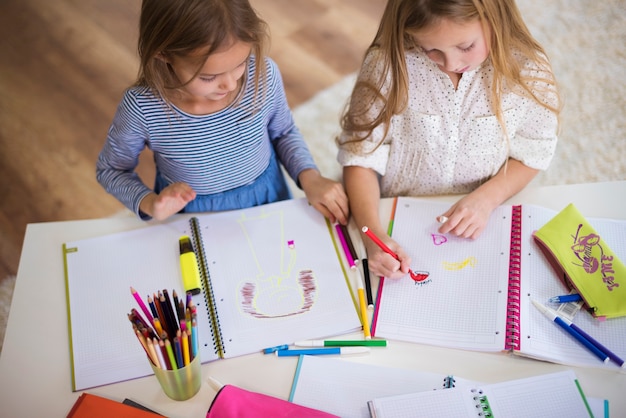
(271, 275)
(344, 387)
(476, 294)
(546, 396)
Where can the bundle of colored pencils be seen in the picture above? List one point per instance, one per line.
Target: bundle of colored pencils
(169, 331)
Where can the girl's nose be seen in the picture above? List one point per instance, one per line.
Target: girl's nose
(228, 82)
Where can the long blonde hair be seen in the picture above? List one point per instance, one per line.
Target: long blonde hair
(176, 28)
(401, 18)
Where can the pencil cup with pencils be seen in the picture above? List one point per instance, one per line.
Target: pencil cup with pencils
(169, 336)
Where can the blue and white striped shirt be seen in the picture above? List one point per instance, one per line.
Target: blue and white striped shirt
(212, 153)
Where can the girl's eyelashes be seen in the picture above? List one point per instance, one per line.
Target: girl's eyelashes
(467, 49)
(208, 79)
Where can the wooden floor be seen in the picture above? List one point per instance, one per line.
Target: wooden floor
(64, 65)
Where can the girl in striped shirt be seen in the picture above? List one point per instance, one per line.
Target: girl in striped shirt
(212, 109)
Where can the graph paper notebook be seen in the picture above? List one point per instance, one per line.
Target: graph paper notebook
(271, 275)
(477, 294)
(344, 387)
(552, 395)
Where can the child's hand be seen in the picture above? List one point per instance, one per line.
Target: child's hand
(382, 264)
(325, 195)
(170, 201)
(467, 218)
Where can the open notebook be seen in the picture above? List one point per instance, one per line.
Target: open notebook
(552, 395)
(477, 293)
(343, 387)
(272, 273)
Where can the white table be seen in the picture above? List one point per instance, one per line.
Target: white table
(35, 375)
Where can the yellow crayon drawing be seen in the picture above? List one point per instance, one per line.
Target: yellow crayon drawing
(459, 265)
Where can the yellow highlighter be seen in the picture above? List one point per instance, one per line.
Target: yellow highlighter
(189, 266)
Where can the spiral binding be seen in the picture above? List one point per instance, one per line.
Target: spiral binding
(209, 298)
(448, 382)
(482, 403)
(512, 340)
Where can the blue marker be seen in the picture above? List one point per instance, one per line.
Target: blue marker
(323, 351)
(565, 298)
(270, 350)
(571, 331)
(620, 362)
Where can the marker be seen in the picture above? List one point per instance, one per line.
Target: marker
(442, 219)
(189, 266)
(363, 309)
(565, 298)
(368, 283)
(386, 249)
(346, 235)
(344, 245)
(550, 314)
(323, 351)
(595, 342)
(341, 343)
(271, 350)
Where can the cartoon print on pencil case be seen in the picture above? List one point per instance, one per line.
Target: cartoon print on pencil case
(276, 291)
(588, 250)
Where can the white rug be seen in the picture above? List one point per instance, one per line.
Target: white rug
(585, 40)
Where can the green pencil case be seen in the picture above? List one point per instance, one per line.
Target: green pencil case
(584, 262)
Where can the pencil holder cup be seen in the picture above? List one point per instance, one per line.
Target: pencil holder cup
(180, 384)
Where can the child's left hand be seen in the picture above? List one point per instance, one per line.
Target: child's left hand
(467, 218)
(325, 195)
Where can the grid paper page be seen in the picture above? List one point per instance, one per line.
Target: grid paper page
(343, 387)
(437, 403)
(462, 303)
(552, 395)
(100, 272)
(540, 337)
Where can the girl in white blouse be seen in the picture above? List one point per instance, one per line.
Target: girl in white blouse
(453, 96)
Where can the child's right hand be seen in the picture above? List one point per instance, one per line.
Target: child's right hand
(170, 201)
(382, 264)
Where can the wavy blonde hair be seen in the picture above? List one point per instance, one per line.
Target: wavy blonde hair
(401, 18)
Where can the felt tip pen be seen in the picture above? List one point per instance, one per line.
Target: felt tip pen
(609, 353)
(565, 298)
(189, 266)
(552, 315)
(344, 245)
(323, 351)
(341, 343)
(271, 350)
